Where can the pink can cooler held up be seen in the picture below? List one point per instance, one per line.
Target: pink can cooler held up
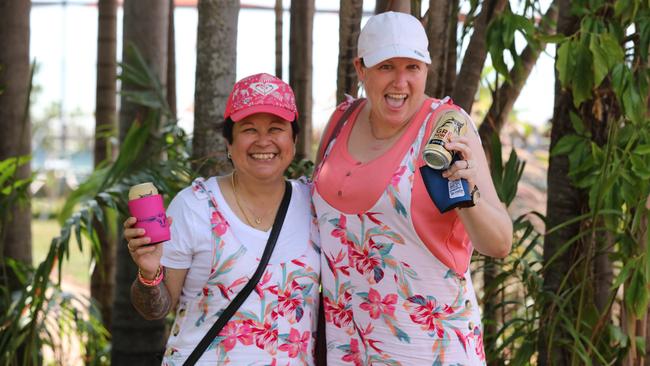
(146, 205)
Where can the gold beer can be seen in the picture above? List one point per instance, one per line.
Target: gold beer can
(449, 124)
(142, 190)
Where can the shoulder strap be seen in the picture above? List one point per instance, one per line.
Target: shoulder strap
(331, 132)
(252, 283)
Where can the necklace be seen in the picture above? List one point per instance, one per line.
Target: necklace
(374, 135)
(258, 219)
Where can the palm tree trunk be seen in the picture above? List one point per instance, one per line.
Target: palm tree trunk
(216, 46)
(402, 6)
(381, 6)
(137, 341)
(300, 70)
(349, 27)
(469, 76)
(441, 28)
(102, 281)
(504, 98)
(16, 240)
(171, 61)
(647, 315)
(564, 202)
(279, 13)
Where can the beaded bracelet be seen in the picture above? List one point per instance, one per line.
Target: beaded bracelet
(160, 274)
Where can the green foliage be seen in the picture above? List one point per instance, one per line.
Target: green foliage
(12, 189)
(300, 168)
(501, 34)
(607, 57)
(41, 312)
(596, 54)
(516, 288)
(505, 177)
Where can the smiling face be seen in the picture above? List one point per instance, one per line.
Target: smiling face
(394, 87)
(262, 146)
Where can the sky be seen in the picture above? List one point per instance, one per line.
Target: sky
(64, 44)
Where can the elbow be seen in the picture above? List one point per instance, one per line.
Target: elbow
(151, 316)
(503, 250)
(504, 247)
(497, 246)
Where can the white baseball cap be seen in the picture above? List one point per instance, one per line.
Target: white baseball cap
(392, 34)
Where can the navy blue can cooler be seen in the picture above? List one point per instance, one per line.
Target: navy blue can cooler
(446, 194)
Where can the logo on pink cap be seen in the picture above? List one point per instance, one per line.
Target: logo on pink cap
(261, 93)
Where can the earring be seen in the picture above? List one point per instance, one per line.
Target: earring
(228, 155)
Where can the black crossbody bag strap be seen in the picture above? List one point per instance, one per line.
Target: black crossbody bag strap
(243, 294)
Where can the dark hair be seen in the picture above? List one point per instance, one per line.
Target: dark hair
(228, 124)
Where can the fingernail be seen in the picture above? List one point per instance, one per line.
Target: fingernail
(147, 239)
(141, 231)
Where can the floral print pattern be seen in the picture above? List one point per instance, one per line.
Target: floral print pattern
(272, 327)
(387, 299)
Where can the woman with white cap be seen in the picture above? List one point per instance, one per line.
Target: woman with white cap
(220, 231)
(395, 274)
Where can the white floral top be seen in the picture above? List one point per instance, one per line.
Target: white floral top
(276, 324)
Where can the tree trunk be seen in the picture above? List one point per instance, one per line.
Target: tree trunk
(300, 70)
(564, 202)
(416, 8)
(171, 62)
(16, 240)
(452, 45)
(647, 315)
(504, 98)
(643, 327)
(603, 272)
(441, 28)
(102, 281)
(216, 57)
(381, 6)
(137, 341)
(402, 6)
(349, 27)
(598, 113)
(279, 13)
(469, 76)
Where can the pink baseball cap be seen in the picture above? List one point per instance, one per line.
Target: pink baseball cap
(261, 93)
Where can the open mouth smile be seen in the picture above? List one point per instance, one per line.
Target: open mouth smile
(395, 100)
(263, 156)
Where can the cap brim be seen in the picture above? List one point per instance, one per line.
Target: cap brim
(277, 111)
(373, 58)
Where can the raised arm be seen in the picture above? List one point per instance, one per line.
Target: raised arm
(488, 224)
(151, 297)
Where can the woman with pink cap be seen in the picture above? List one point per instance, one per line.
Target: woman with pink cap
(395, 274)
(222, 229)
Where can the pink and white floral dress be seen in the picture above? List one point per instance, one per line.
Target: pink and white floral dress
(388, 299)
(276, 324)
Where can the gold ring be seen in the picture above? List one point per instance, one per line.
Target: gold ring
(468, 165)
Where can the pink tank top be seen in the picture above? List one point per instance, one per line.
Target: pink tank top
(354, 187)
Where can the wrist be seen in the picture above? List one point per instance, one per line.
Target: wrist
(148, 275)
(150, 280)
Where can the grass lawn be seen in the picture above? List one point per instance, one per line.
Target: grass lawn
(77, 267)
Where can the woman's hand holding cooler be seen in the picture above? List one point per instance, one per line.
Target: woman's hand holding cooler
(146, 256)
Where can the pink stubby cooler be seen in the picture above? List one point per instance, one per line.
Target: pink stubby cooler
(147, 206)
